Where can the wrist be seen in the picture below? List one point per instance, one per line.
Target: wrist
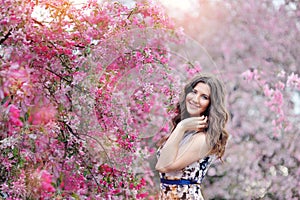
(180, 127)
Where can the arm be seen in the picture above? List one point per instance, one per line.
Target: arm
(172, 157)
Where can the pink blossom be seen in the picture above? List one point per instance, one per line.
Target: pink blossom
(41, 181)
(16, 80)
(280, 85)
(250, 75)
(42, 114)
(277, 97)
(14, 116)
(281, 74)
(293, 81)
(74, 182)
(192, 70)
(267, 91)
(46, 182)
(19, 186)
(142, 195)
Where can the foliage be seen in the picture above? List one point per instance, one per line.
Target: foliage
(61, 135)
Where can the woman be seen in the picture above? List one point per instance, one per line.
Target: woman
(198, 136)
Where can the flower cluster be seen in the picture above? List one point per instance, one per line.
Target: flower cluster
(64, 134)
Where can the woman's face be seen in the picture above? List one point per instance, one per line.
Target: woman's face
(197, 101)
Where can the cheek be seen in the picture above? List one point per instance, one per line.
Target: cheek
(206, 104)
(188, 97)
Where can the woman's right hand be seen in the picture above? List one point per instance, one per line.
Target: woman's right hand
(193, 123)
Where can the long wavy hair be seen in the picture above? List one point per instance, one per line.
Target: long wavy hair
(216, 112)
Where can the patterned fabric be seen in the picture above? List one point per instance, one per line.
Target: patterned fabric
(195, 171)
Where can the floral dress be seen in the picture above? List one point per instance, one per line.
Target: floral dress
(194, 172)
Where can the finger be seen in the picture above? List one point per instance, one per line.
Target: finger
(202, 121)
(205, 119)
(201, 126)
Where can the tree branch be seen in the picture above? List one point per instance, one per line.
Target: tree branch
(6, 36)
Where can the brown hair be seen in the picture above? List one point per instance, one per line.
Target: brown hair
(216, 112)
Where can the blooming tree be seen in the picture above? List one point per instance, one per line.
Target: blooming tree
(72, 124)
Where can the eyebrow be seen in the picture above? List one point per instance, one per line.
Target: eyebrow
(194, 89)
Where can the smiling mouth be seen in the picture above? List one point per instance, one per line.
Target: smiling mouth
(194, 105)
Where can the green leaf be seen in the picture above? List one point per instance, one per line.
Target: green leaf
(21, 162)
(26, 116)
(75, 196)
(4, 100)
(15, 152)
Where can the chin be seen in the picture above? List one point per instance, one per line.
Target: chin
(193, 114)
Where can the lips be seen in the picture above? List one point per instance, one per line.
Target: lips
(193, 105)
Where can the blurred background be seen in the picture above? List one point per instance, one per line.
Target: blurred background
(256, 47)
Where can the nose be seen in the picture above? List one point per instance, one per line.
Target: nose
(196, 98)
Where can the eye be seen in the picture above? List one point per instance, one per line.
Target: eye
(194, 91)
(205, 97)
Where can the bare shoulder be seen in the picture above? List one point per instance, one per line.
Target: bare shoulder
(191, 151)
(201, 142)
(200, 136)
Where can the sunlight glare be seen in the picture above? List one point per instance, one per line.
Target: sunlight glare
(180, 7)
